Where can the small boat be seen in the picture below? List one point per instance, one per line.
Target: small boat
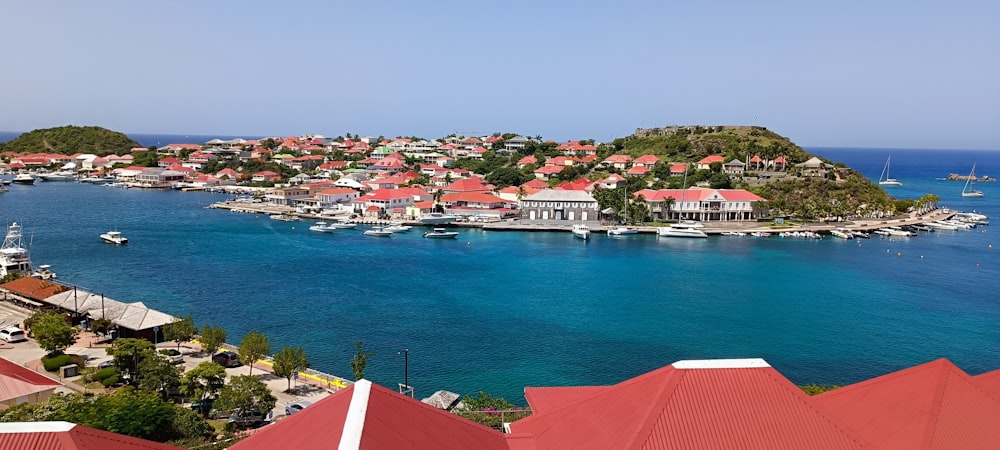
(377, 232)
(941, 225)
(966, 192)
(884, 179)
(760, 234)
(440, 233)
(58, 176)
(861, 234)
(322, 227)
(342, 224)
(44, 272)
(622, 231)
(398, 228)
(114, 237)
(842, 233)
(284, 217)
(733, 233)
(680, 231)
(882, 232)
(24, 178)
(436, 219)
(581, 231)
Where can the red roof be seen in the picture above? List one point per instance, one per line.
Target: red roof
(647, 159)
(711, 159)
(467, 185)
(718, 404)
(638, 170)
(69, 436)
(931, 406)
(989, 382)
(618, 159)
(536, 184)
(18, 381)
(550, 170)
(368, 416)
(530, 159)
(35, 288)
(472, 197)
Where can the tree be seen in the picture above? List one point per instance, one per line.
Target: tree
(245, 392)
(253, 348)
(128, 354)
(288, 361)
(359, 361)
(180, 331)
(54, 333)
(212, 338)
(101, 325)
(506, 176)
(204, 381)
(158, 375)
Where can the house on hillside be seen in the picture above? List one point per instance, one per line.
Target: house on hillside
(19, 384)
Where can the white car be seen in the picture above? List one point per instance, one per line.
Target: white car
(13, 334)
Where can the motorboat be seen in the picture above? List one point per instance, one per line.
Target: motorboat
(23, 178)
(284, 217)
(14, 256)
(689, 224)
(114, 237)
(441, 233)
(342, 224)
(733, 233)
(322, 227)
(398, 228)
(897, 231)
(622, 231)
(680, 231)
(44, 272)
(861, 234)
(58, 176)
(941, 225)
(842, 233)
(436, 219)
(760, 234)
(377, 232)
(882, 232)
(581, 231)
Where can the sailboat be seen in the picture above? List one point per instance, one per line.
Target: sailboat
(884, 179)
(966, 192)
(624, 230)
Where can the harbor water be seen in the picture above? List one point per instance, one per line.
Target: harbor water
(496, 311)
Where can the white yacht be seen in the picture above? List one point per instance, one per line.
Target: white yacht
(678, 230)
(377, 232)
(63, 175)
(398, 227)
(342, 224)
(581, 231)
(622, 231)
(13, 254)
(842, 233)
(114, 237)
(24, 178)
(436, 219)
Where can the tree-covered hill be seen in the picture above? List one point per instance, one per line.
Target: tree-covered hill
(71, 139)
(696, 142)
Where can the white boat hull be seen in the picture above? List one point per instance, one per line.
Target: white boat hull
(680, 232)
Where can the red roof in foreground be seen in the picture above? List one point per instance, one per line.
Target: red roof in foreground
(718, 404)
(931, 406)
(18, 381)
(369, 416)
(989, 382)
(69, 436)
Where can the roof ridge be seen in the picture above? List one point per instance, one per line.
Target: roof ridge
(934, 413)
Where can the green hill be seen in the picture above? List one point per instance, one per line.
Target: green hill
(71, 139)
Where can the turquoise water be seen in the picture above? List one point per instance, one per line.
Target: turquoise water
(497, 311)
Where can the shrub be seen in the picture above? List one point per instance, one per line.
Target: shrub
(104, 373)
(112, 380)
(53, 363)
(79, 360)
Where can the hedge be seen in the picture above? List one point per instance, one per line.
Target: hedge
(54, 363)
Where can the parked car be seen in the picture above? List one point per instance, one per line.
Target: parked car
(106, 364)
(295, 407)
(13, 334)
(172, 355)
(227, 359)
(247, 418)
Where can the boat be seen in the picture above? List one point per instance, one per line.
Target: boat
(581, 231)
(114, 237)
(63, 175)
(622, 231)
(441, 233)
(436, 219)
(44, 272)
(342, 224)
(733, 233)
(13, 254)
(676, 230)
(842, 233)
(966, 192)
(884, 179)
(689, 223)
(861, 234)
(882, 232)
(377, 232)
(760, 234)
(941, 225)
(322, 227)
(24, 178)
(398, 228)
(285, 217)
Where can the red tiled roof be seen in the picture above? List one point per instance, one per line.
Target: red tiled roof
(530, 159)
(989, 382)
(536, 184)
(638, 170)
(549, 170)
(367, 416)
(618, 159)
(718, 404)
(35, 288)
(931, 406)
(711, 159)
(647, 159)
(69, 436)
(467, 185)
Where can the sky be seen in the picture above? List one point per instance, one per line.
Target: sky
(904, 74)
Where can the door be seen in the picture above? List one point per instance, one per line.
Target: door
(572, 214)
(531, 215)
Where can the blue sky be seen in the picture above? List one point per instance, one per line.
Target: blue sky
(881, 74)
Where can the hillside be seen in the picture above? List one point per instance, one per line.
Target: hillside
(71, 139)
(841, 192)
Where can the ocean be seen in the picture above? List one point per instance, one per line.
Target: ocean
(497, 311)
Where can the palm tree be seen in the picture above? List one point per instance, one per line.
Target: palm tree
(665, 206)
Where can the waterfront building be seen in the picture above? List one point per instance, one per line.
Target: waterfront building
(154, 178)
(559, 205)
(287, 196)
(702, 204)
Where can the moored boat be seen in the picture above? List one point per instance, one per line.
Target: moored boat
(398, 228)
(377, 232)
(342, 224)
(622, 231)
(842, 233)
(436, 219)
(440, 233)
(284, 217)
(24, 178)
(322, 227)
(13, 254)
(680, 231)
(581, 231)
(114, 237)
